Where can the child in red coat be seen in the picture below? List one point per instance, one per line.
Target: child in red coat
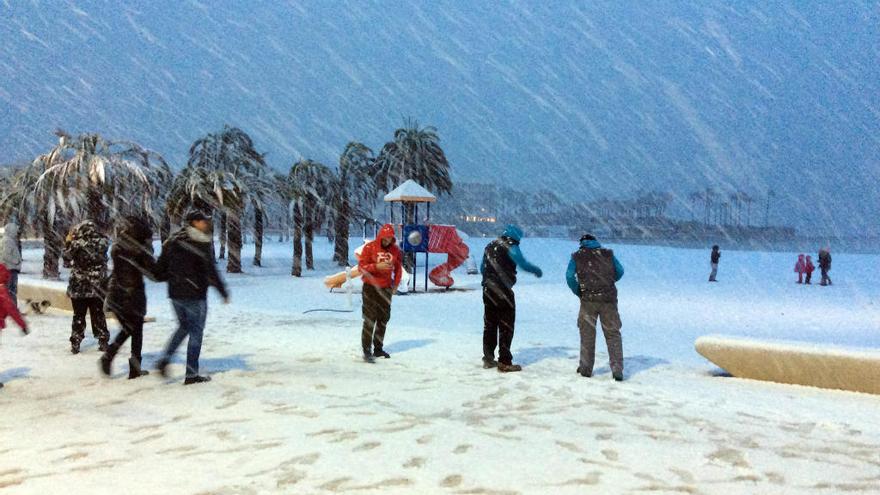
(808, 268)
(7, 307)
(800, 267)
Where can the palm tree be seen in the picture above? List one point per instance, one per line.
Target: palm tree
(311, 186)
(353, 195)
(105, 179)
(413, 154)
(86, 177)
(223, 172)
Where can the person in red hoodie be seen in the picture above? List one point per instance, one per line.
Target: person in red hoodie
(809, 267)
(7, 307)
(380, 263)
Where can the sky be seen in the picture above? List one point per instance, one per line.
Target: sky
(589, 99)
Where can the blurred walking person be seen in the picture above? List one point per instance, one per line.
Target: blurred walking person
(809, 267)
(825, 265)
(800, 267)
(7, 308)
(714, 258)
(10, 256)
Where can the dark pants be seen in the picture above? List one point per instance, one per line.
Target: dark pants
(132, 326)
(377, 311)
(499, 317)
(606, 313)
(809, 276)
(714, 272)
(191, 316)
(826, 280)
(94, 306)
(12, 286)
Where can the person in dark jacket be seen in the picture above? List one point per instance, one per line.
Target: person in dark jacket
(825, 265)
(187, 263)
(500, 261)
(132, 256)
(381, 264)
(591, 275)
(85, 252)
(714, 258)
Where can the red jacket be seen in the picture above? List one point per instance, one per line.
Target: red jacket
(809, 267)
(374, 253)
(7, 307)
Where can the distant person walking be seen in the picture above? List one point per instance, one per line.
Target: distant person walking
(85, 252)
(10, 255)
(381, 263)
(187, 263)
(132, 255)
(500, 261)
(800, 267)
(714, 258)
(809, 267)
(825, 265)
(7, 307)
(591, 275)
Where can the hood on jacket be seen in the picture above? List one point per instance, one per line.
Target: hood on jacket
(86, 229)
(4, 274)
(137, 229)
(11, 230)
(386, 232)
(513, 232)
(590, 244)
(809, 258)
(800, 257)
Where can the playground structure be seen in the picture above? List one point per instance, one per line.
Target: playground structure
(417, 238)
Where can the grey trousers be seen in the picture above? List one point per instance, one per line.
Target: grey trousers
(714, 272)
(608, 316)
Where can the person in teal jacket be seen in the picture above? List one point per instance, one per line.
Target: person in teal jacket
(500, 261)
(591, 275)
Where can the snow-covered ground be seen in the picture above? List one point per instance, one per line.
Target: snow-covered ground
(293, 409)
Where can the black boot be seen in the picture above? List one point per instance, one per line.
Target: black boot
(489, 363)
(162, 367)
(380, 353)
(134, 369)
(103, 345)
(105, 362)
(196, 379)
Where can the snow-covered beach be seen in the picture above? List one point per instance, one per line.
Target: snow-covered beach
(293, 409)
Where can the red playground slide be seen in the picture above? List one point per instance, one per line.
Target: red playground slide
(445, 239)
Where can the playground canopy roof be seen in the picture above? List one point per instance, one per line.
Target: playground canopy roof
(410, 191)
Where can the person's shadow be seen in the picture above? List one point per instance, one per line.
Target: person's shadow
(407, 345)
(206, 365)
(532, 355)
(14, 374)
(633, 365)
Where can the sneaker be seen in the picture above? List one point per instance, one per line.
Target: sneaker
(508, 368)
(368, 357)
(162, 367)
(196, 379)
(381, 353)
(618, 376)
(489, 363)
(583, 372)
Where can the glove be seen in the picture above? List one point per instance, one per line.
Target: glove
(538, 273)
(25, 330)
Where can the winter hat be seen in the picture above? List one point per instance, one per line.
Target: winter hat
(715, 247)
(588, 237)
(196, 215)
(513, 232)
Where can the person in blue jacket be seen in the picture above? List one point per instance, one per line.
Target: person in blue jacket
(591, 275)
(500, 260)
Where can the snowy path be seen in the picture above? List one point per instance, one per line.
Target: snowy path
(293, 410)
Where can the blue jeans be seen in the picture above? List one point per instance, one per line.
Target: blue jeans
(12, 286)
(191, 315)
